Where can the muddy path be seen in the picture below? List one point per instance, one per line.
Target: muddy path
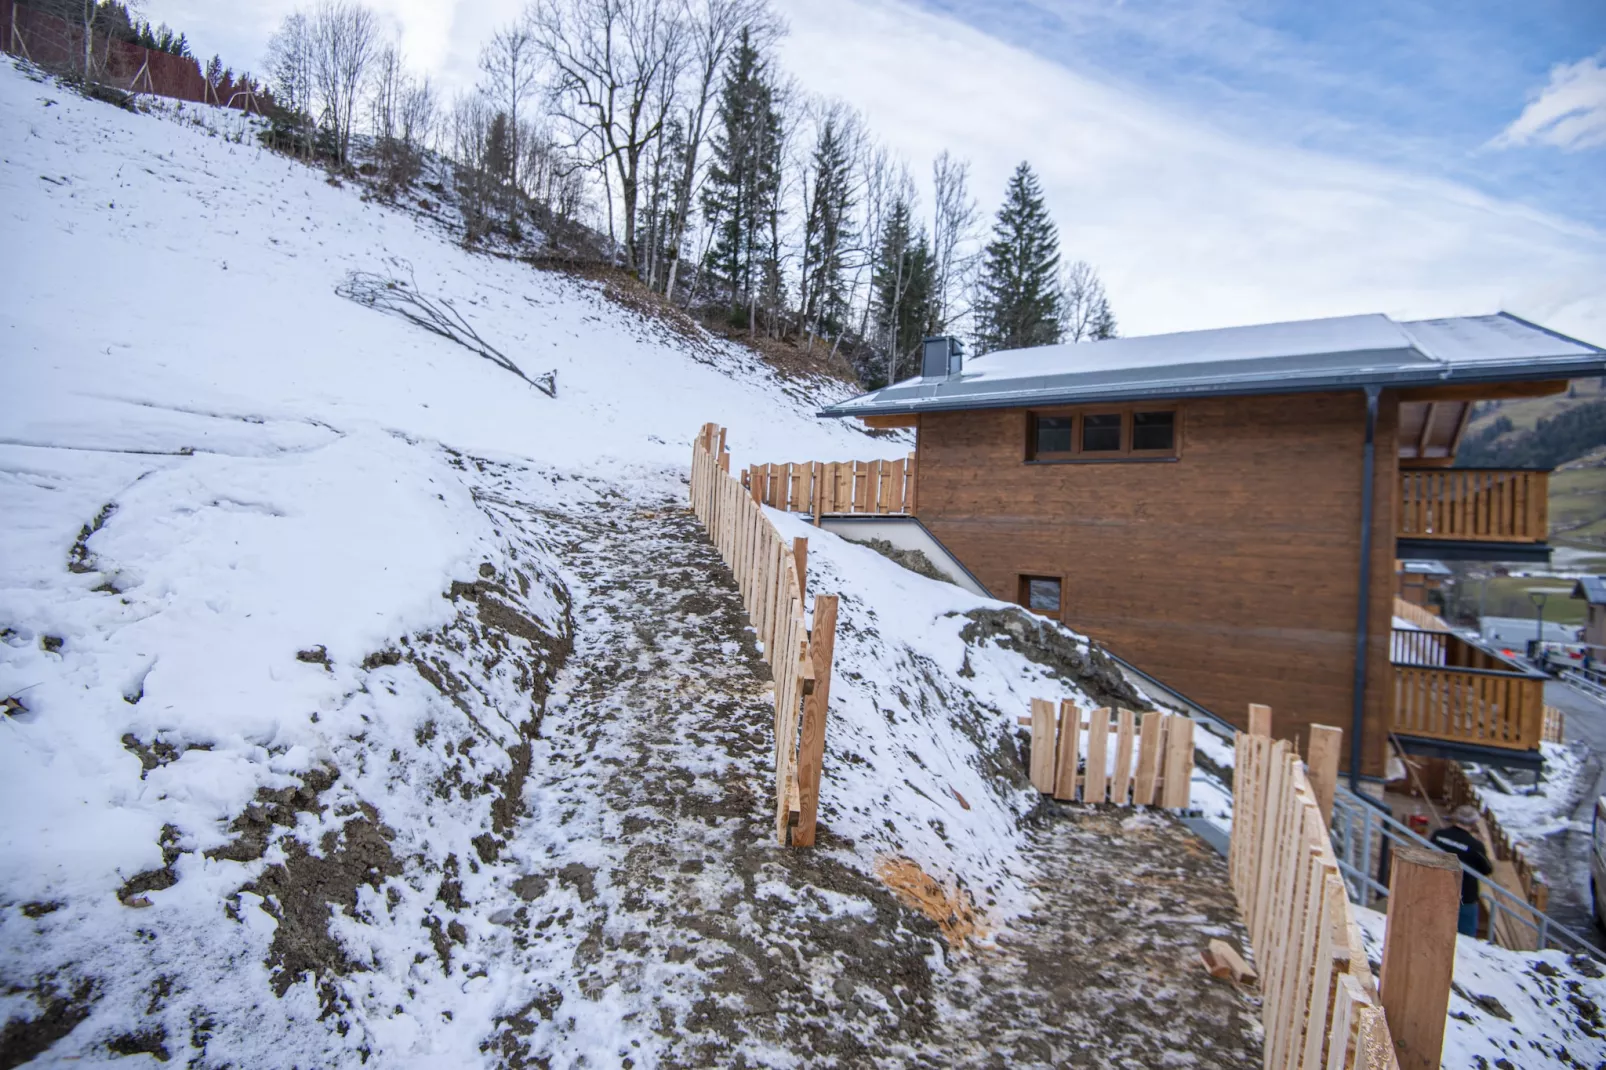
(687, 938)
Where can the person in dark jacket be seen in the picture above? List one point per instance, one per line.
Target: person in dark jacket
(1458, 838)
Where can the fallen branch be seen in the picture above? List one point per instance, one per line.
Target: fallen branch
(436, 315)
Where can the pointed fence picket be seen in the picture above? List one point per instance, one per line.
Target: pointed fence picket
(770, 573)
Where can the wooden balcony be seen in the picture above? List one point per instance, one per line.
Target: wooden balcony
(1493, 505)
(1447, 689)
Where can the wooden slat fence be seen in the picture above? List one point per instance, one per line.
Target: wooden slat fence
(1474, 504)
(1555, 725)
(771, 574)
(1091, 760)
(825, 488)
(1319, 1000)
(1422, 618)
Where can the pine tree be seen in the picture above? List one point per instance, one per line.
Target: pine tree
(1103, 325)
(1019, 300)
(905, 309)
(742, 197)
(826, 232)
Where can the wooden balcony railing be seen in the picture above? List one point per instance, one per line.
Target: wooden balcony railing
(1446, 688)
(1474, 504)
(835, 487)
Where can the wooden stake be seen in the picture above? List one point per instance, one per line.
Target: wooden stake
(1419, 953)
(1098, 751)
(1259, 719)
(1121, 782)
(811, 752)
(1322, 761)
(1069, 747)
(1178, 763)
(1042, 768)
(1148, 759)
(800, 553)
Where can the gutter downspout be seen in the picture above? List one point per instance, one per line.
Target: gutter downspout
(1368, 480)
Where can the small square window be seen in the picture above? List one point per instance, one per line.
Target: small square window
(1154, 430)
(1053, 434)
(1041, 593)
(1101, 433)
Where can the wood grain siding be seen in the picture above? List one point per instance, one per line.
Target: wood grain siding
(1229, 574)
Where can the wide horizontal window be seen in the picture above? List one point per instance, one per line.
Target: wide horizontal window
(1109, 435)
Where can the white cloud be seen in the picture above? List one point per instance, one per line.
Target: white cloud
(1569, 113)
(1192, 226)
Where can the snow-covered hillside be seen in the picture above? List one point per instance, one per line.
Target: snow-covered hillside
(366, 704)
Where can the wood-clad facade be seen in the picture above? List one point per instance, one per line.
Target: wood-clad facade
(1228, 570)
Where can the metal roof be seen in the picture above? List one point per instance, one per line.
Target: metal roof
(1591, 589)
(1340, 353)
(1425, 568)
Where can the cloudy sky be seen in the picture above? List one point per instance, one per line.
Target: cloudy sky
(1220, 161)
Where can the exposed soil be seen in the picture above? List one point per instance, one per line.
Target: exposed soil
(737, 952)
(59, 1013)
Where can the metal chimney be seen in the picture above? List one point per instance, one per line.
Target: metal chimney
(941, 357)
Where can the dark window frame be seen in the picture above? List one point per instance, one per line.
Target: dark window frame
(1125, 455)
(1023, 586)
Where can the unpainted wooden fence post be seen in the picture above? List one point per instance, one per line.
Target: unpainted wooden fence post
(1419, 953)
(1321, 761)
(811, 752)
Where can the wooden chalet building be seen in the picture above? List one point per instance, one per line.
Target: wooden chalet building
(1223, 509)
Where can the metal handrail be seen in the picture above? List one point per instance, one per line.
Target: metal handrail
(1353, 846)
(1515, 674)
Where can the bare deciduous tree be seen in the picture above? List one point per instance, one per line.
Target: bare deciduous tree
(509, 63)
(290, 64)
(954, 220)
(1085, 309)
(610, 61)
(345, 42)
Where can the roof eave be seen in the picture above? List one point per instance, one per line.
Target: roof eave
(1515, 371)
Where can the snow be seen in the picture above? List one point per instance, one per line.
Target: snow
(1530, 816)
(259, 469)
(1534, 1009)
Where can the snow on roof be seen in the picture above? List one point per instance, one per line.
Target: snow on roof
(1338, 353)
(1591, 589)
(1425, 568)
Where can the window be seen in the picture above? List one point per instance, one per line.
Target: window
(1123, 435)
(1053, 435)
(1153, 431)
(1101, 432)
(1040, 594)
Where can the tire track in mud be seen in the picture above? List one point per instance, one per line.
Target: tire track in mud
(663, 926)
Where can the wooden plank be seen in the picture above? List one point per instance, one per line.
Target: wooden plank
(818, 478)
(1096, 779)
(1178, 763)
(1043, 744)
(1259, 719)
(1322, 992)
(811, 751)
(1069, 748)
(894, 500)
(1419, 953)
(800, 554)
(1351, 998)
(1148, 758)
(1322, 761)
(1121, 779)
(1225, 957)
